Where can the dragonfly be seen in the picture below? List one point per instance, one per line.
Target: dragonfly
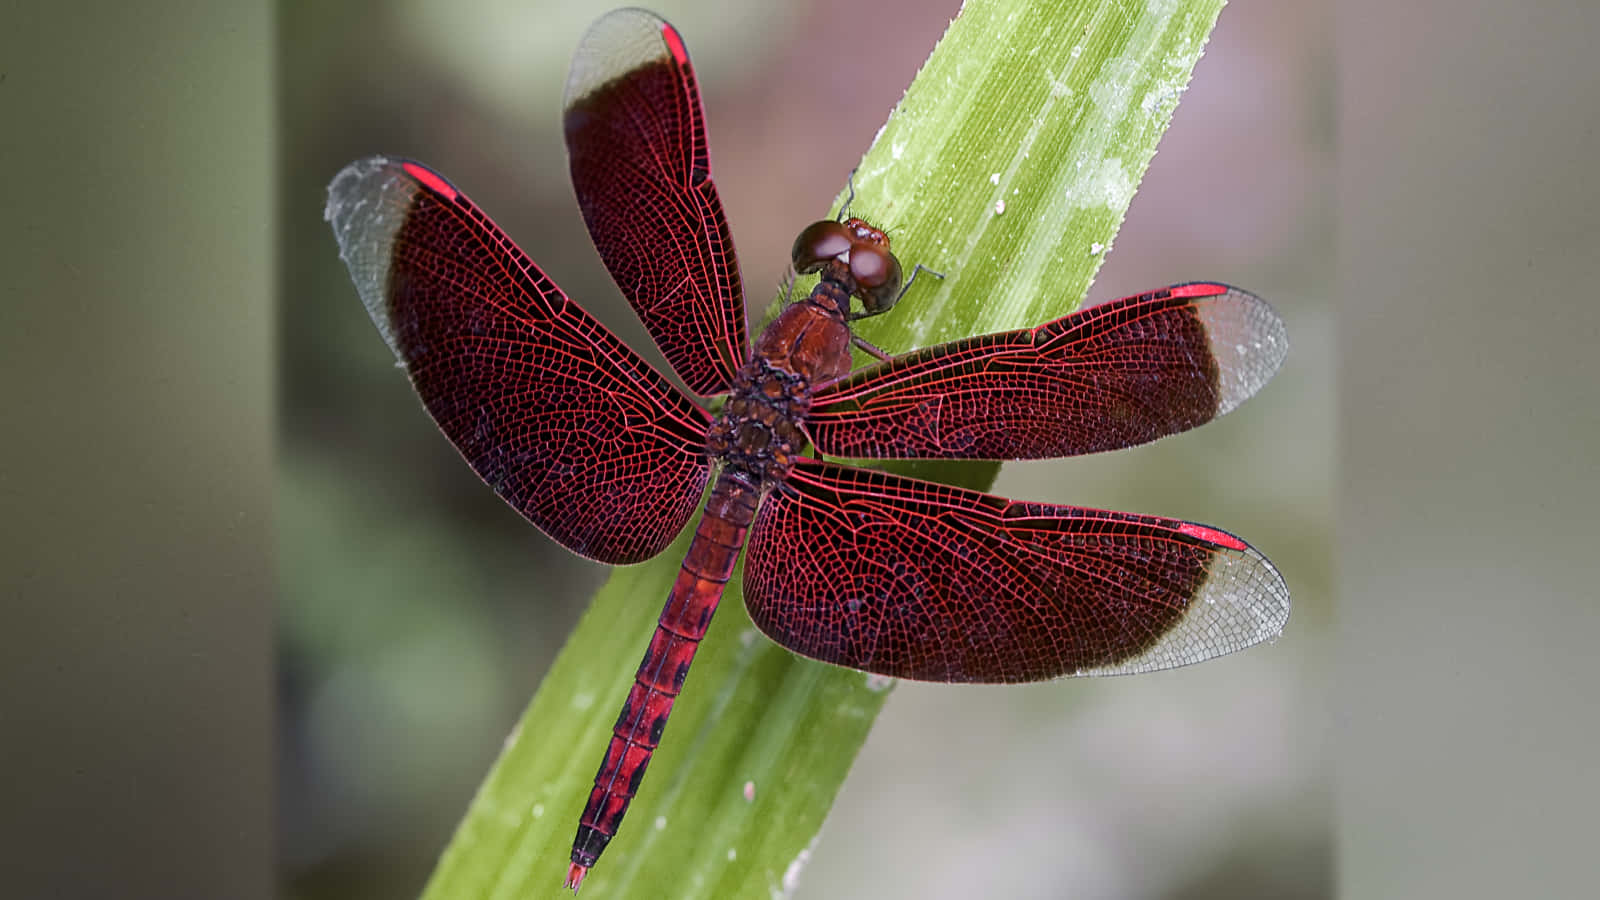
(852, 566)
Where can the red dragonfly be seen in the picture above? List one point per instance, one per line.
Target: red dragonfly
(850, 566)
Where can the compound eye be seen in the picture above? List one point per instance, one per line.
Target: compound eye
(869, 265)
(877, 278)
(819, 243)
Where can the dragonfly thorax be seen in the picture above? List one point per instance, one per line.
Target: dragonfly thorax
(759, 432)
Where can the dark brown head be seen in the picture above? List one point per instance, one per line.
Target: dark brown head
(852, 253)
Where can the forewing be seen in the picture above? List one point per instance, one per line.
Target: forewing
(566, 423)
(1113, 375)
(636, 141)
(901, 577)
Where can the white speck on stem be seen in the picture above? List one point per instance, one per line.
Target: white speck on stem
(876, 682)
(791, 875)
(1106, 184)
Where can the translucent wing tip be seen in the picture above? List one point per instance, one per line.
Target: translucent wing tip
(1252, 593)
(1248, 340)
(1243, 601)
(617, 43)
(345, 191)
(366, 207)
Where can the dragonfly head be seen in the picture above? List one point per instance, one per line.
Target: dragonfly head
(852, 253)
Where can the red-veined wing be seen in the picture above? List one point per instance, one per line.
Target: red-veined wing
(874, 571)
(636, 141)
(1113, 375)
(566, 423)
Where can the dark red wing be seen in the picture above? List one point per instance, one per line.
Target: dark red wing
(563, 420)
(1110, 376)
(918, 580)
(636, 140)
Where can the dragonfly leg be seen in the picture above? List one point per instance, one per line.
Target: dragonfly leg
(867, 346)
(912, 280)
(844, 211)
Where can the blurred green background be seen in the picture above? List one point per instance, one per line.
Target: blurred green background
(264, 631)
(418, 612)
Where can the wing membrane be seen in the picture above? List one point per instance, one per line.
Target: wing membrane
(565, 422)
(874, 571)
(1114, 375)
(636, 142)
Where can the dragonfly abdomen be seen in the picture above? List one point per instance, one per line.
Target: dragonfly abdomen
(706, 569)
